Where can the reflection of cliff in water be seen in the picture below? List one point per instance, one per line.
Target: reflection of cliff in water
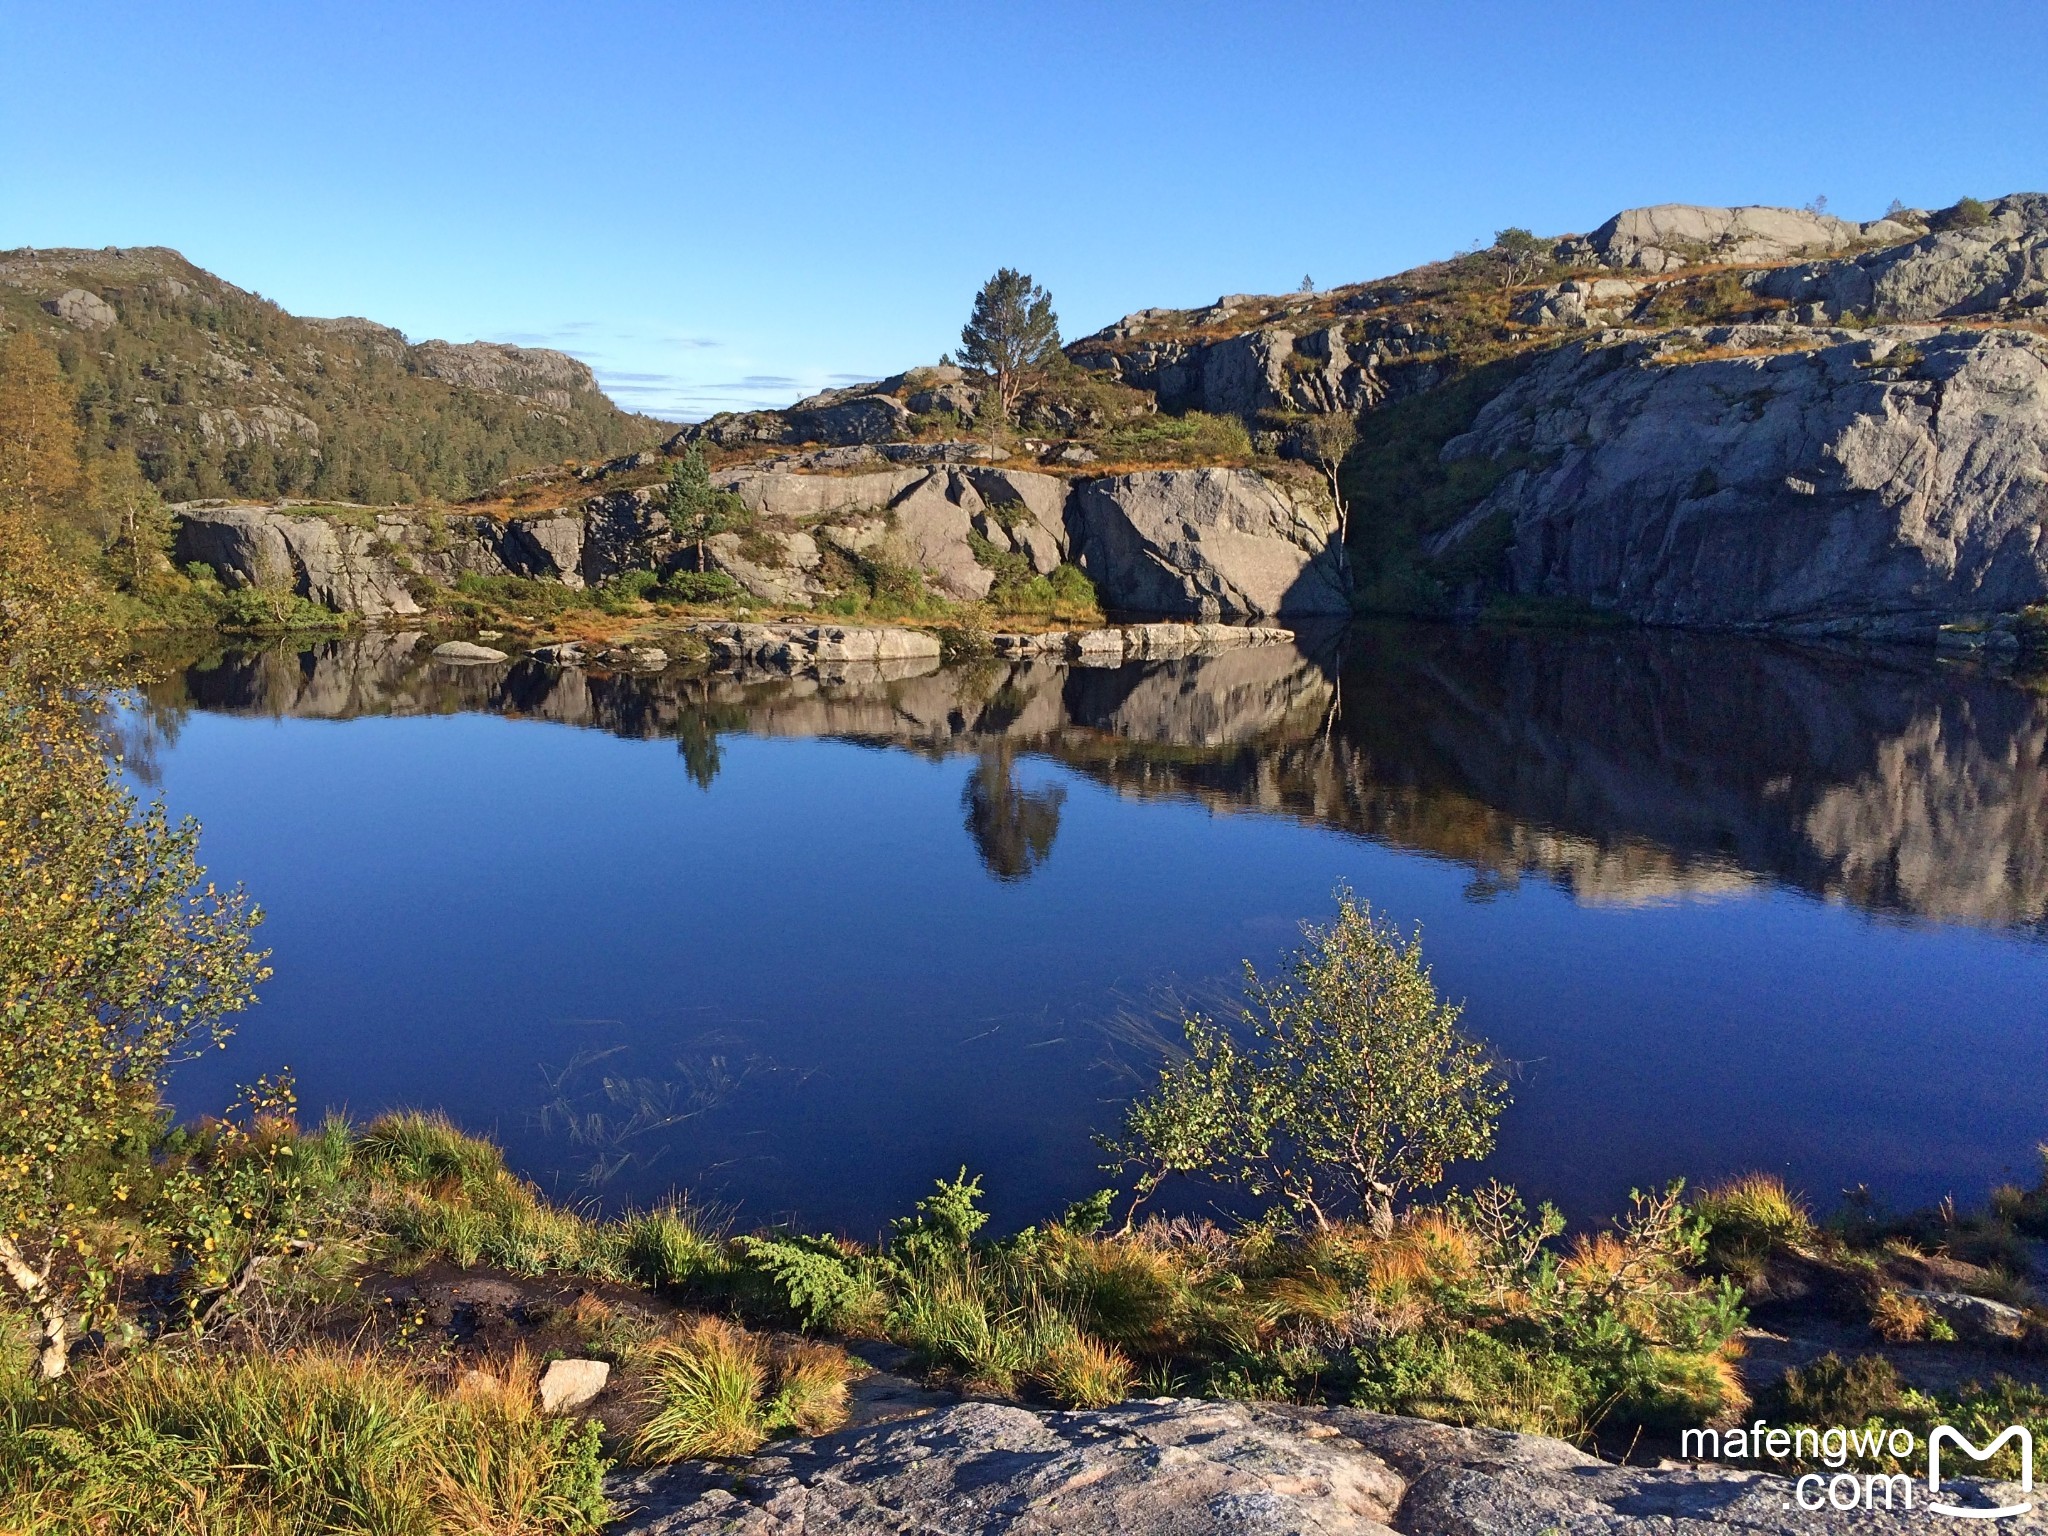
(1626, 766)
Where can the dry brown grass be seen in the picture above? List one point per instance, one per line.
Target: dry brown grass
(1900, 1319)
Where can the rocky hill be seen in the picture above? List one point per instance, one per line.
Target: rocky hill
(1729, 417)
(1708, 417)
(220, 392)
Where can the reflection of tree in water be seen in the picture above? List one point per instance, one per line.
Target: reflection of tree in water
(144, 724)
(617, 1120)
(1012, 828)
(698, 724)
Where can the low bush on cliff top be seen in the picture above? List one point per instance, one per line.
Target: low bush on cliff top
(1193, 437)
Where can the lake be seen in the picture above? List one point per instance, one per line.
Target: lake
(798, 947)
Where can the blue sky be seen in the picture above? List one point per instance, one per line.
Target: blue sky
(721, 205)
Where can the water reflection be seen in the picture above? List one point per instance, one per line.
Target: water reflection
(1624, 767)
(1012, 828)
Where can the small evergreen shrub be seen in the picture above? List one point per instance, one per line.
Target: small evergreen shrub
(698, 587)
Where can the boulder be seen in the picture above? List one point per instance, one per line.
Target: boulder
(863, 419)
(1682, 234)
(84, 309)
(1976, 1319)
(799, 649)
(1881, 482)
(1181, 1468)
(465, 653)
(569, 1384)
(1206, 543)
(1578, 303)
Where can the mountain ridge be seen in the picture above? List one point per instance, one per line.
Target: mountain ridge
(222, 392)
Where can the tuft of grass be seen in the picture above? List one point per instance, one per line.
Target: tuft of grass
(1086, 1373)
(1901, 1319)
(718, 1391)
(427, 1149)
(1751, 1218)
(669, 1246)
(705, 1391)
(809, 1394)
(218, 1445)
(959, 1320)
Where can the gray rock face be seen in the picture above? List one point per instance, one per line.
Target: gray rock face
(367, 565)
(86, 310)
(858, 414)
(1208, 543)
(1678, 234)
(931, 521)
(2001, 266)
(1264, 370)
(1579, 303)
(339, 564)
(275, 425)
(547, 377)
(863, 419)
(1203, 543)
(1026, 512)
(1872, 482)
(926, 514)
(1180, 1468)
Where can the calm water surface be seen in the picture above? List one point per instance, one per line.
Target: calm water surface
(799, 947)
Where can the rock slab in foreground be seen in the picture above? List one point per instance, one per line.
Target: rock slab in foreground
(1182, 1468)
